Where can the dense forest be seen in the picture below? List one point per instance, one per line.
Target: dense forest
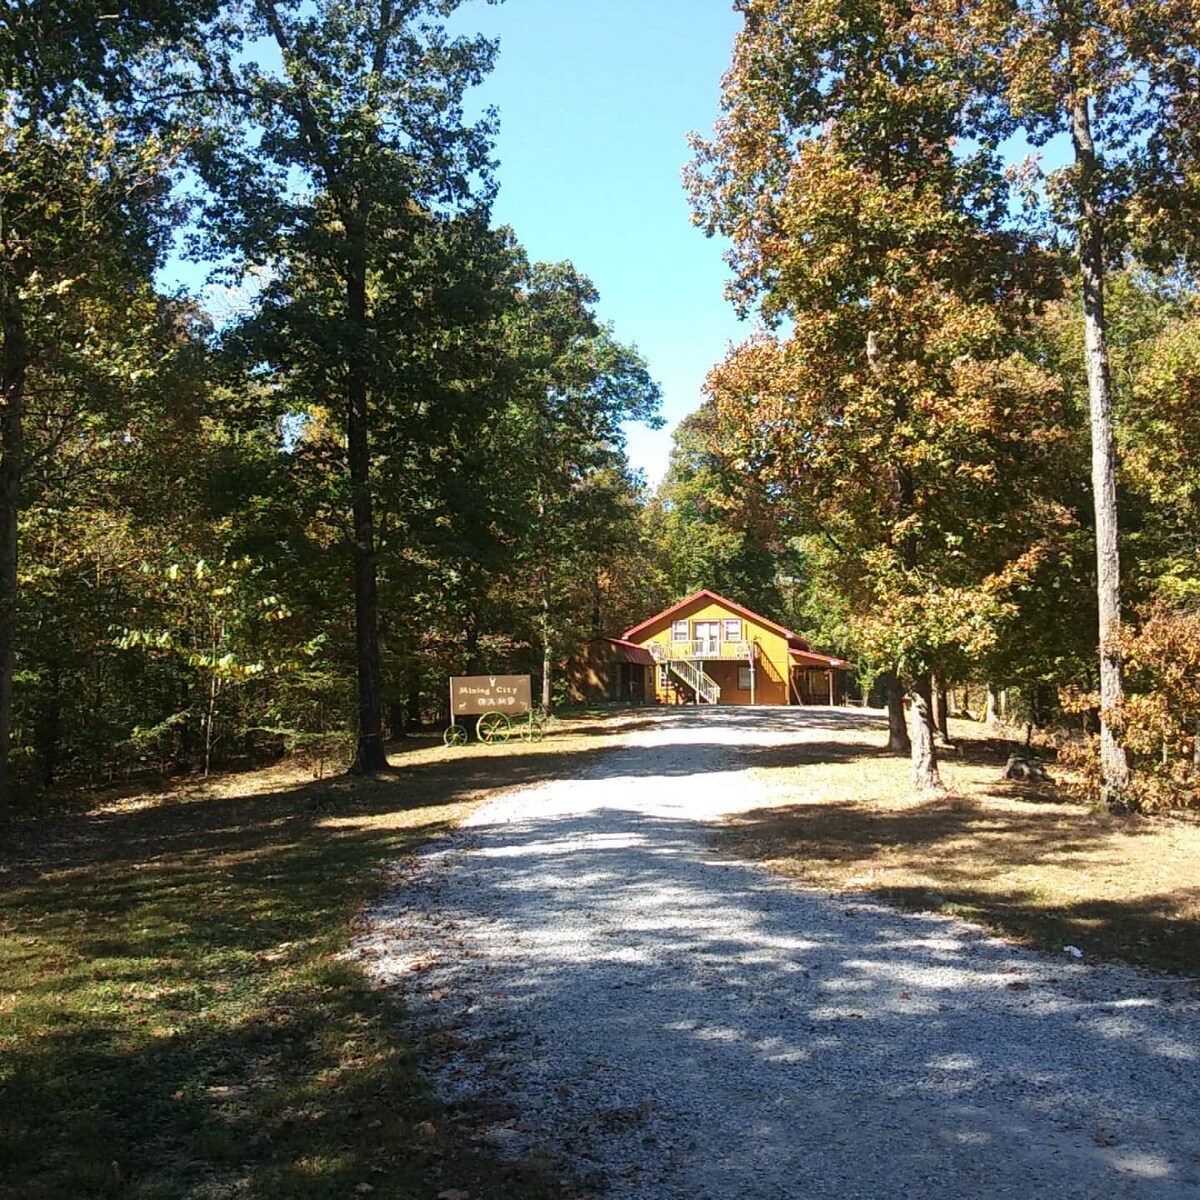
(963, 447)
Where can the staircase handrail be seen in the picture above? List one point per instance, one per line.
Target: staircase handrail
(703, 684)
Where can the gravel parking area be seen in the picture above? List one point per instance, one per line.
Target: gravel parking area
(664, 1021)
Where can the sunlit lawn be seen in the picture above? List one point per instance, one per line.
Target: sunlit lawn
(1014, 857)
(175, 1019)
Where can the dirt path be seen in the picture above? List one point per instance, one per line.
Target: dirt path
(666, 1021)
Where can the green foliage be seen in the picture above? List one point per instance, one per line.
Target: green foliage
(713, 527)
(897, 464)
(898, 416)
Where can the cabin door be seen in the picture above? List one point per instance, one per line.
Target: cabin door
(708, 639)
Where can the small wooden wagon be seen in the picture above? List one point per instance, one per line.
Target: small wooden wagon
(502, 705)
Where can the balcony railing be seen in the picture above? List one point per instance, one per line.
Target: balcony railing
(703, 648)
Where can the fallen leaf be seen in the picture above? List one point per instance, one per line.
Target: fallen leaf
(1103, 1138)
(1017, 985)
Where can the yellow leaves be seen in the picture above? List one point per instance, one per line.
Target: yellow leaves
(1160, 432)
(981, 474)
(130, 639)
(1159, 717)
(226, 666)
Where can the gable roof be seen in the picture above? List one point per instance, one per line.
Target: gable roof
(794, 639)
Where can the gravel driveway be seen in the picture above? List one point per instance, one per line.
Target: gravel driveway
(664, 1021)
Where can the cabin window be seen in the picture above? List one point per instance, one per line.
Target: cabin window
(743, 679)
(733, 629)
(679, 630)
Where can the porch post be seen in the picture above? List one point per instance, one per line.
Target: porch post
(831, 696)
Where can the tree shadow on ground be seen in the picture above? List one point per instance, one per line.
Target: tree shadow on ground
(989, 864)
(174, 1016)
(856, 1048)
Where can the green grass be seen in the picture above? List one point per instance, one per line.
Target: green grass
(176, 1019)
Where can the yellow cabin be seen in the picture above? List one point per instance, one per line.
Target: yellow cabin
(709, 650)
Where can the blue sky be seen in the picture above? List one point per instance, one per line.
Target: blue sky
(596, 99)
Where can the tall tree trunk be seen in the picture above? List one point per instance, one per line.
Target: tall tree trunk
(546, 661)
(898, 739)
(210, 720)
(50, 725)
(545, 615)
(474, 665)
(941, 702)
(925, 775)
(991, 708)
(369, 754)
(597, 615)
(12, 413)
(397, 721)
(1114, 766)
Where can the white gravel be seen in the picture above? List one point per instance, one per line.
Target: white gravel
(665, 1021)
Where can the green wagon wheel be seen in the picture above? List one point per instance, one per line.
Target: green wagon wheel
(456, 735)
(494, 727)
(537, 727)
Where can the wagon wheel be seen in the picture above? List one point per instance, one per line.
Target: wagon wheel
(494, 727)
(530, 730)
(456, 735)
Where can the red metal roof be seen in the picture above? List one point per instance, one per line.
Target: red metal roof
(807, 658)
(794, 639)
(631, 652)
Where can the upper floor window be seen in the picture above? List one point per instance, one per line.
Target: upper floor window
(733, 629)
(679, 630)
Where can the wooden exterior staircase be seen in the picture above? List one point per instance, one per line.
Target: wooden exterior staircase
(706, 688)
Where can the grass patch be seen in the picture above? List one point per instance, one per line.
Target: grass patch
(175, 1017)
(1011, 857)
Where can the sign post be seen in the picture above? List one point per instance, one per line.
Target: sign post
(493, 700)
(473, 695)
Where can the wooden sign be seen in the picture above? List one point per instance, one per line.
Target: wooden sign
(472, 695)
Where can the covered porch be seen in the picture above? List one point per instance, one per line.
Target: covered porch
(817, 679)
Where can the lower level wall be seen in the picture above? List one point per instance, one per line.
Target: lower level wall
(591, 679)
(769, 688)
